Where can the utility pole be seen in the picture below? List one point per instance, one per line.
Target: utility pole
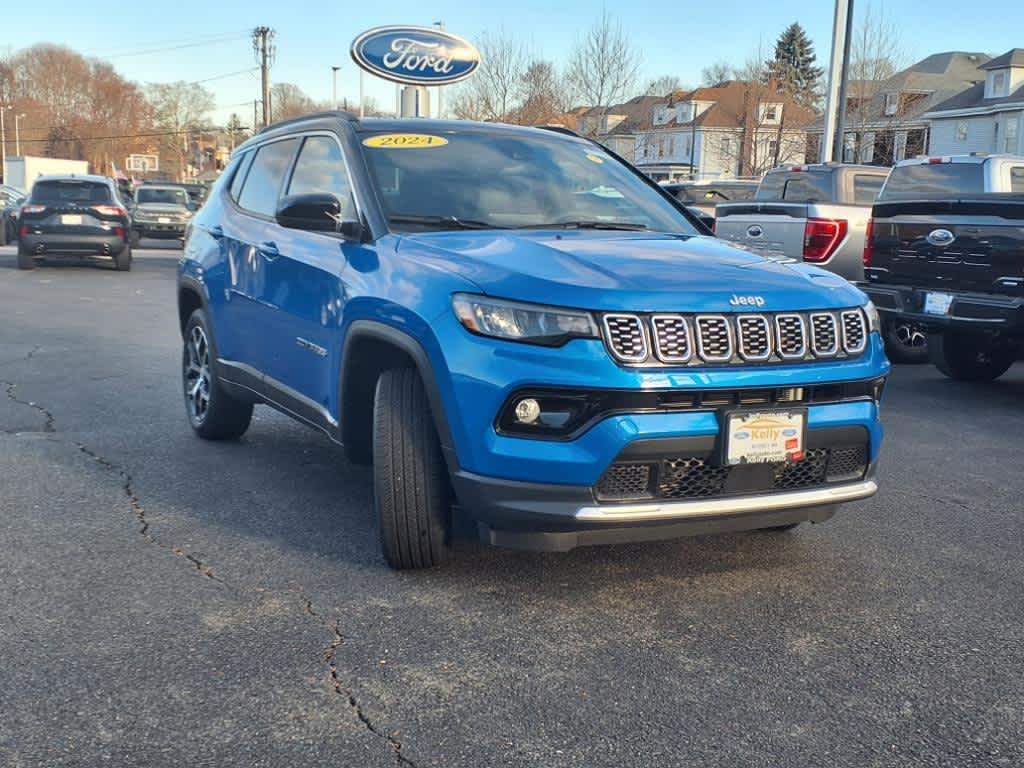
(841, 121)
(3, 141)
(17, 135)
(334, 86)
(263, 47)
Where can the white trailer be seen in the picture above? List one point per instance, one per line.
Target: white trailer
(22, 171)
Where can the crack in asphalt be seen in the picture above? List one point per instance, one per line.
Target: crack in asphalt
(23, 358)
(10, 386)
(127, 485)
(329, 654)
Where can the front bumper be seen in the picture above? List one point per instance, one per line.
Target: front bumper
(977, 312)
(95, 246)
(156, 231)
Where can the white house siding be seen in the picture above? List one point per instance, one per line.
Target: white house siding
(980, 136)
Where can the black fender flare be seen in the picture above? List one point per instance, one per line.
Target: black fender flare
(374, 329)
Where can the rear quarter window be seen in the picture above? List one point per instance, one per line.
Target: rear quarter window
(866, 187)
(934, 180)
(1017, 179)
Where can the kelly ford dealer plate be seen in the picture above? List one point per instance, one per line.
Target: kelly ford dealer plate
(757, 437)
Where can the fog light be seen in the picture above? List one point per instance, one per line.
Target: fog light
(527, 411)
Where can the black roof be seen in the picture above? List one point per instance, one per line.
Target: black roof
(73, 177)
(975, 97)
(1012, 58)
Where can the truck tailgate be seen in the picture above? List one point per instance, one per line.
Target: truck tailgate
(775, 230)
(967, 245)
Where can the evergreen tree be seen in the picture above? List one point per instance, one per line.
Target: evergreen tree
(793, 67)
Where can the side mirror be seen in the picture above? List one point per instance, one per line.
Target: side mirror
(316, 212)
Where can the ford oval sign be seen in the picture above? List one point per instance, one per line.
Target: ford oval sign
(940, 237)
(415, 55)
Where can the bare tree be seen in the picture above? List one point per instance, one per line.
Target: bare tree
(179, 109)
(604, 65)
(716, 73)
(877, 53)
(491, 94)
(287, 100)
(544, 96)
(664, 85)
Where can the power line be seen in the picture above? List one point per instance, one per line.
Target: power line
(229, 74)
(215, 41)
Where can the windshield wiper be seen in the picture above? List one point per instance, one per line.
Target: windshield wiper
(628, 226)
(453, 222)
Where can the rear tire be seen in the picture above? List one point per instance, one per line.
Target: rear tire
(905, 343)
(25, 260)
(123, 260)
(412, 495)
(212, 412)
(970, 357)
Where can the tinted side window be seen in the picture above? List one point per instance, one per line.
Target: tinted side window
(866, 188)
(241, 169)
(263, 183)
(321, 168)
(1017, 179)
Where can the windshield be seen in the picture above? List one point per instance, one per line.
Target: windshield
(800, 186)
(498, 179)
(70, 191)
(163, 196)
(930, 180)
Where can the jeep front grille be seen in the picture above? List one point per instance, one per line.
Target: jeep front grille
(676, 339)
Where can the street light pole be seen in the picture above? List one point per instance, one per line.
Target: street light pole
(3, 141)
(836, 74)
(334, 85)
(17, 134)
(440, 114)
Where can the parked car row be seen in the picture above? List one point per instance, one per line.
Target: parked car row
(86, 216)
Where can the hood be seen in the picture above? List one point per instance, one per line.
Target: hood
(629, 271)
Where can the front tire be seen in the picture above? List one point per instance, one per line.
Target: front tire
(970, 357)
(411, 486)
(212, 412)
(905, 343)
(25, 260)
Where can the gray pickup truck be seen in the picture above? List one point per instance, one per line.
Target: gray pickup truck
(813, 213)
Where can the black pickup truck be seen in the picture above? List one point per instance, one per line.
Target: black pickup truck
(954, 267)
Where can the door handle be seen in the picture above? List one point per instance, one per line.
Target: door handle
(216, 231)
(269, 250)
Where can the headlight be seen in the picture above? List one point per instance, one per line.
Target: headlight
(530, 323)
(874, 320)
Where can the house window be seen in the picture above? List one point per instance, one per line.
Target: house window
(961, 131)
(1010, 135)
(773, 149)
(726, 145)
(892, 100)
(850, 148)
(998, 83)
(771, 113)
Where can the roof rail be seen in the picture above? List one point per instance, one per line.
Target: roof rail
(338, 113)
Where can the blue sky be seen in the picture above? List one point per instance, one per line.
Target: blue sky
(677, 36)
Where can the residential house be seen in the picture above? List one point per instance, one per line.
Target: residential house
(736, 128)
(988, 116)
(885, 121)
(616, 126)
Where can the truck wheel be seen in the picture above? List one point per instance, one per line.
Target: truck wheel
(410, 478)
(213, 413)
(969, 357)
(905, 343)
(123, 260)
(25, 260)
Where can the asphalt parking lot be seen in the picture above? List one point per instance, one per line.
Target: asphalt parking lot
(170, 602)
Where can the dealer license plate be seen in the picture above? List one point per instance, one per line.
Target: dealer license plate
(937, 303)
(70, 218)
(163, 220)
(760, 437)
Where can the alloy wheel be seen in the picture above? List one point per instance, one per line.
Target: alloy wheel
(196, 375)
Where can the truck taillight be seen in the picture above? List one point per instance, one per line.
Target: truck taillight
(822, 237)
(869, 233)
(110, 210)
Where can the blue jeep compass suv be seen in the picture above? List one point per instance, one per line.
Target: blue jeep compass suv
(514, 324)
